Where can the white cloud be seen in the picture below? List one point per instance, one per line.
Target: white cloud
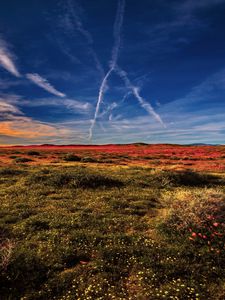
(77, 105)
(71, 104)
(8, 108)
(43, 83)
(6, 59)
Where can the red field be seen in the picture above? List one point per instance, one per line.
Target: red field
(160, 156)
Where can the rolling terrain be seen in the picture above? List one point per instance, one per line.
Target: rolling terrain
(112, 222)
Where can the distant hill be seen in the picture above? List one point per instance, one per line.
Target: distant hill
(51, 146)
(203, 144)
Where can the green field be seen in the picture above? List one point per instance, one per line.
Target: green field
(112, 232)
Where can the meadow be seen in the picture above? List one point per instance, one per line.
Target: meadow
(112, 222)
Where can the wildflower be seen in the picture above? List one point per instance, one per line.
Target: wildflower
(215, 224)
(194, 234)
(82, 262)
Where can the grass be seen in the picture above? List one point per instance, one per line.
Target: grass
(112, 232)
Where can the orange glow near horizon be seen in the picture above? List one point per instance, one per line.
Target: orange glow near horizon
(29, 129)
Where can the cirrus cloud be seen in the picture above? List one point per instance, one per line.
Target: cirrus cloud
(43, 83)
(6, 59)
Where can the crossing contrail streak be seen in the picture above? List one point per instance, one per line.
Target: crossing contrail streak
(135, 91)
(115, 68)
(100, 97)
(117, 33)
(86, 34)
(113, 62)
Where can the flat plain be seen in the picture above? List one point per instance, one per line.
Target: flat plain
(112, 222)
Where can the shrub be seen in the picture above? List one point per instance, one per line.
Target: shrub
(88, 180)
(22, 160)
(33, 153)
(77, 179)
(195, 209)
(15, 152)
(71, 157)
(148, 157)
(26, 267)
(105, 161)
(189, 178)
(198, 218)
(35, 225)
(10, 171)
(186, 178)
(89, 159)
(6, 248)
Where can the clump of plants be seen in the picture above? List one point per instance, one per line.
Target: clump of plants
(71, 157)
(199, 219)
(88, 159)
(75, 178)
(6, 249)
(10, 171)
(190, 178)
(33, 153)
(13, 156)
(162, 179)
(22, 160)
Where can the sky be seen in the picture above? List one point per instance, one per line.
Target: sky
(115, 71)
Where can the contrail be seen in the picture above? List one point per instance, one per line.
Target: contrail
(117, 33)
(86, 34)
(135, 91)
(115, 52)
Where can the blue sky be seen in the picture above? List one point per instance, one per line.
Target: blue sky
(112, 71)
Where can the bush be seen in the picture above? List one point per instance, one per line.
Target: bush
(6, 248)
(22, 160)
(24, 266)
(198, 218)
(187, 178)
(71, 157)
(89, 159)
(15, 152)
(76, 179)
(33, 153)
(10, 172)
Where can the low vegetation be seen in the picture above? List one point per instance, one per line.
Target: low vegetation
(71, 230)
(71, 157)
(22, 159)
(33, 153)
